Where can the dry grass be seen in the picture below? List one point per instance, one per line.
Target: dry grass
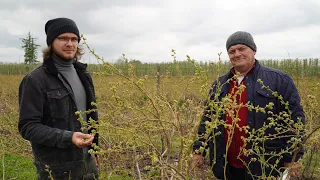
(172, 88)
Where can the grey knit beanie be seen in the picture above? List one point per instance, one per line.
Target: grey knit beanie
(241, 37)
(55, 27)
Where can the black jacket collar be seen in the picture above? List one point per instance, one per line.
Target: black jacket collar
(254, 70)
(51, 68)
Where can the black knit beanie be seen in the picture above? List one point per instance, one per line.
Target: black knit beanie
(55, 27)
(241, 37)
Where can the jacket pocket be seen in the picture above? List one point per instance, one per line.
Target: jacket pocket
(266, 94)
(262, 99)
(275, 145)
(59, 103)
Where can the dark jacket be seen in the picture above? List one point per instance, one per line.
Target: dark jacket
(257, 96)
(47, 115)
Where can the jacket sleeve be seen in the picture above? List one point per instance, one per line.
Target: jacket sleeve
(32, 104)
(291, 96)
(206, 117)
(202, 129)
(94, 114)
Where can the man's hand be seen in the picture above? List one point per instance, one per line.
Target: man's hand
(82, 140)
(197, 160)
(294, 168)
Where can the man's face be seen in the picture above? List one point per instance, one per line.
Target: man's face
(65, 45)
(241, 57)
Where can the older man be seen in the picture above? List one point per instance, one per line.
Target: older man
(241, 84)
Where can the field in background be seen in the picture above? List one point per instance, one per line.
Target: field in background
(177, 86)
(294, 67)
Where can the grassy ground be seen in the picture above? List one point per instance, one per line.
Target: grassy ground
(17, 167)
(17, 152)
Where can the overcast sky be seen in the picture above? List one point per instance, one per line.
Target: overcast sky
(147, 30)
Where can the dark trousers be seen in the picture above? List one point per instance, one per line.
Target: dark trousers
(88, 172)
(237, 173)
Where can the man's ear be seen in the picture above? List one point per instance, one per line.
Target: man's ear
(254, 53)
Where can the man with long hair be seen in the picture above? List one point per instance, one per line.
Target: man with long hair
(56, 102)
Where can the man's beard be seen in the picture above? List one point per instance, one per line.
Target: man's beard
(62, 57)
